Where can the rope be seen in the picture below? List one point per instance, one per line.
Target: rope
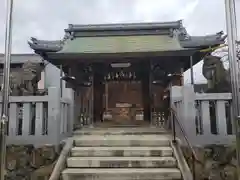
(213, 49)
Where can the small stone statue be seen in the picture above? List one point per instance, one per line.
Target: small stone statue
(216, 75)
(25, 81)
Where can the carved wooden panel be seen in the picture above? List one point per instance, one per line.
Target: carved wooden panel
(125, 92)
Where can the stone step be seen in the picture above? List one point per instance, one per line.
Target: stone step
(121, 174)
(121, 162)
(122, 140)
(121, 151)
(120, 131)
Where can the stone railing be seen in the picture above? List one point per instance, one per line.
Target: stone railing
(40, 120)
(207, 118)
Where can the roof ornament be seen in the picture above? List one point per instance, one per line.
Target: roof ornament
(43, 45)
(180, 23)
(183, 35)
(66, 37)
(207, 41)
(70, 33)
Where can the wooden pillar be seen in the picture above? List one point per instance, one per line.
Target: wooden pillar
(146, 95)
(98, 92)
(106, 97)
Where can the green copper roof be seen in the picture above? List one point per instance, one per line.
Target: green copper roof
(121, 44)
(120, 38)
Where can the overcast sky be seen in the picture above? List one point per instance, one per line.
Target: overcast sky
(46, 19)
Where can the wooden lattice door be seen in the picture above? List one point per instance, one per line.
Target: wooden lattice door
(124, 99)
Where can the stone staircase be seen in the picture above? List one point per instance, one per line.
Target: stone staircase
(122, 154)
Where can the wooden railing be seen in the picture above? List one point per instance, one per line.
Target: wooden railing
(39, 120)
(206, 117)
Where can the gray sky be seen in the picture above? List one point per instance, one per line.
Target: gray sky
(46, 19)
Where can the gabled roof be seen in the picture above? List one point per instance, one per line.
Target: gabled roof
(175, 32)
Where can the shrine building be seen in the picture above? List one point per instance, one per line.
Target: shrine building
(121, 72)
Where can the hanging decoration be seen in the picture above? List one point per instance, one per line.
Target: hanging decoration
(120, 76)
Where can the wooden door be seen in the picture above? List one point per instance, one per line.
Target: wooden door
(124, 100)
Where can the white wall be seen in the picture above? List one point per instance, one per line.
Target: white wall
(51, 78)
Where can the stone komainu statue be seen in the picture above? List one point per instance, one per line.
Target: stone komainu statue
(25, 81)
(217, 76)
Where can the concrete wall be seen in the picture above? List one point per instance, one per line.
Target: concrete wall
(34, 128)
(193, 112)
(51, 78)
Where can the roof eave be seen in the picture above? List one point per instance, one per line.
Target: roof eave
(45, 46)
(203, 41)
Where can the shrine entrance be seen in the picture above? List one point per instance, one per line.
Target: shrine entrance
(133, 93)
(124, 94)
(123, 103)
(121, 96)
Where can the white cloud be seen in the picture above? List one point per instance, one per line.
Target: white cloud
(46, 19)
